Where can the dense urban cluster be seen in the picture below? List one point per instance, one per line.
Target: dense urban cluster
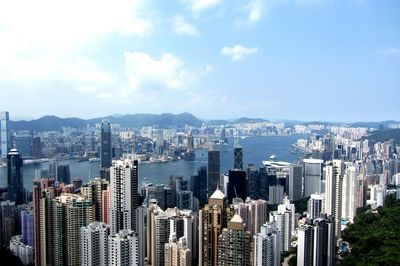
(246, 216)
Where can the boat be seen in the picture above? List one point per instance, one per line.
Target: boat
(93, 160)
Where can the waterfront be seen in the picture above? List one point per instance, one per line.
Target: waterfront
(255, 150)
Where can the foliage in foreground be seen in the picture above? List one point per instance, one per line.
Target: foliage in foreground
(375, 236)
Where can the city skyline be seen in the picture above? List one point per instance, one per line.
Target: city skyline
(307, 58)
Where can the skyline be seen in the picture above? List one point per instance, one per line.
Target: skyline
(307, 60)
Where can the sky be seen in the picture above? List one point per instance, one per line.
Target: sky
(328, 60)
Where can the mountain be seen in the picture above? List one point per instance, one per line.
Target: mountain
(54, 123)
(248, 120)
(385, 134)
(377, 125)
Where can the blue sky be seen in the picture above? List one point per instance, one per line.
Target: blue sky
(277, 59)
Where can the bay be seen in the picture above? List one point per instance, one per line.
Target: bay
(255, 149)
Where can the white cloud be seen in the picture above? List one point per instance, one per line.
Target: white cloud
(255, 8)
(389, 52)
(181, 26)
(168, 71)
(238, 52)
(198, 6)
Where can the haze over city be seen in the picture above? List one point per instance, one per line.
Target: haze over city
(291, 59)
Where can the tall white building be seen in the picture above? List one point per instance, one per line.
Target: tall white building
(350, 192)
(305, 241)
(123, 248)
(333, 193)
(4, 134)
(315, 206)
(267, 251)
(94, 244)
(177, 253)
(285, 223)
(22, 251)
(124, 198)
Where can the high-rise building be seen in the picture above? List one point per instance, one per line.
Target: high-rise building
(237, 185)
(235, 243)
(27, 227)
(212, 219)
(105, 205)
(285, 223)
(105, 145)
(7, 221)
(190, 141)
(43, 193)
(253, 212)
(312, 176)
(305, 241)
(36, 147)
(22, 251)
(350, 192)
(123, 248)
(71, 212)
(23, 143)
(324, 242)
(316, 242)
(4, 136)
(334, 171)
(14, 177)
(237, 157)
(267, 251)
(124, 196)
(295, 181)
(94, 191)
(316, 205)
(213, 170)
(275, 194)
(63, 173)
(94, 244)
(177, 253)
(199, 188)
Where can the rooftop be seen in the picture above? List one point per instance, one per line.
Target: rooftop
(218, 194)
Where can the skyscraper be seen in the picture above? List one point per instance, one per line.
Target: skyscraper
(237, 185)
(7, 221)
(106, 146)
(63, 173)
(212, 219)
(305, 241)
(350, 192)
(105, 150)
(43, 193)
(94, 191)
(253, 212)
(267, 251)
(237, 157)
(124, 195)
(315, 206)
(312, 176)
(177, 253)
(70, 213)
(4, 136)
(213, 170)
(94, 244)
(333, 193)
(234, 244)
(295, 181)
(199, 182)
(123, 248)
(14, 177)
(27, 227)
(36, 147)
